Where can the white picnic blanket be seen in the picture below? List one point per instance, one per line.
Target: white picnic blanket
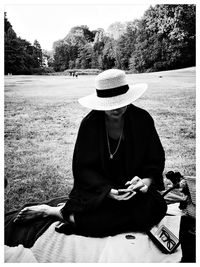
(53, 247)
(18, 254)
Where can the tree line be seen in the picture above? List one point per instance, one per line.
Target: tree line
(20, 57)
(164, 38)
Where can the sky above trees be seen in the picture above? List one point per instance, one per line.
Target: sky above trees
(50, 22)
(164, 38)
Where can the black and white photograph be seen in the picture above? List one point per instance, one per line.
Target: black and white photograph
(99, 125)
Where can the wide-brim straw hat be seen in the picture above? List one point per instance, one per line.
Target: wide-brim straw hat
(112, 91)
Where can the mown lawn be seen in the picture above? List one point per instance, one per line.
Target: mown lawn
(42, 117)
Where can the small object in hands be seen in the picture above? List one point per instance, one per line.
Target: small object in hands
(130, 237)
(120, 191)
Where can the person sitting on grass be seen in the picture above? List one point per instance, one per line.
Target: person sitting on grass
(117, 166)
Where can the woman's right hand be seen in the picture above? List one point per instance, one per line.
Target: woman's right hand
(121, 194)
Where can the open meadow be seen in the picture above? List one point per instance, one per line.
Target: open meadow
(42, 117)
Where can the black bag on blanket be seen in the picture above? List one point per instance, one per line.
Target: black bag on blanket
(28, 232)
(163, 238)
(188, 224)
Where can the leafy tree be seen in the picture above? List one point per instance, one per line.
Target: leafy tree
(116, 29)
(85, 56)
(77, 63)
(71, 64)
(99, 35)
(37, 53)
(49, 56)
(61, 57)
(94, 60)
(7, 24)
(126, 44)
(109, 53)
(164, 38)
(164, 41)
(20, 56)
(104, 50)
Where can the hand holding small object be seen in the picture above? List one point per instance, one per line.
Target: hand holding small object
(136, 184)
(121, 194)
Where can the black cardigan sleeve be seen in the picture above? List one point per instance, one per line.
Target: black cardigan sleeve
(154, 159)
(91, 185)
(145, 155)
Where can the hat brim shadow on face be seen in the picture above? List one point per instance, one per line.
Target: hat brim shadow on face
(109, 103)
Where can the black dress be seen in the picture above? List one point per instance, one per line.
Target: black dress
(95, 174)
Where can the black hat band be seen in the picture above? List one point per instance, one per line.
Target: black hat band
(113, 92)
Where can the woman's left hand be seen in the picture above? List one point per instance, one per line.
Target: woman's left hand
(138, 184)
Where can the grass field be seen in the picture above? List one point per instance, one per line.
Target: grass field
(42, 117)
